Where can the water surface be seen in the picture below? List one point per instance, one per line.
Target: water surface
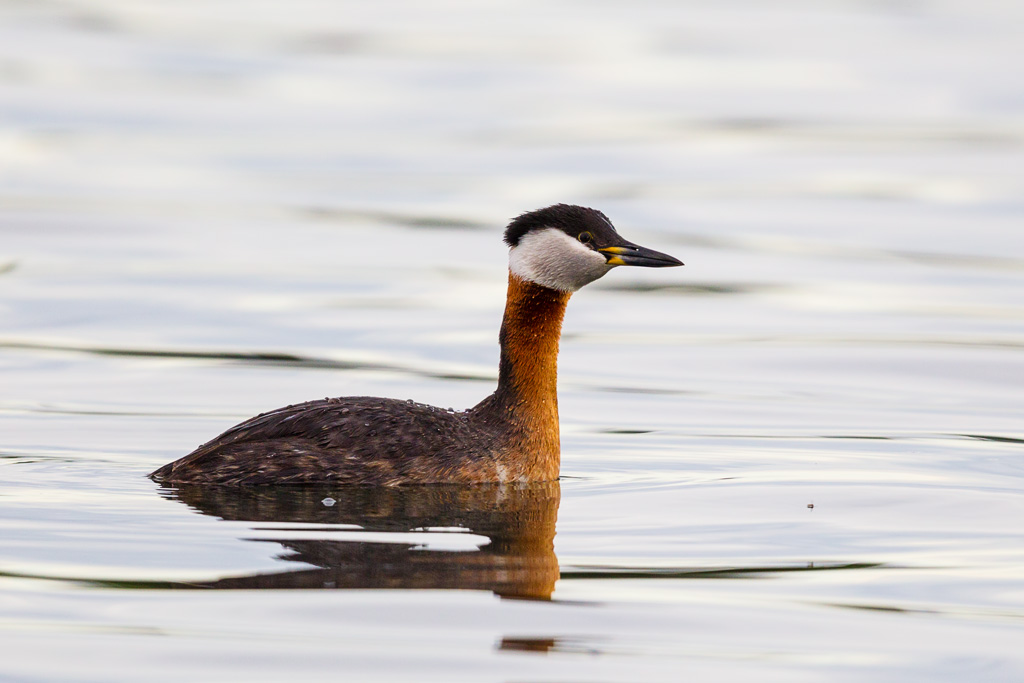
(797, 458)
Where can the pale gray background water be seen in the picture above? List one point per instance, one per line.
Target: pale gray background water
(180, 182)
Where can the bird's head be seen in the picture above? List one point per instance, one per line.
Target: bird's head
(564, 247)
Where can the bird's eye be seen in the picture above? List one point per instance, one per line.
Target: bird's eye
(585, 237)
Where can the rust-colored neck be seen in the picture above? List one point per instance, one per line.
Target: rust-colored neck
(526, 400)
(529, 338)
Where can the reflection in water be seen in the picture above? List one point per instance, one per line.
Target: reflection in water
(545, 645)
(519, 520)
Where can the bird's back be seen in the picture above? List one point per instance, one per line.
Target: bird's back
(352, 440)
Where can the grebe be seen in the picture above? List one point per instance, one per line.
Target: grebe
(512, 435)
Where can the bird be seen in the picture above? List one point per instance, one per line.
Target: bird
(512, 435)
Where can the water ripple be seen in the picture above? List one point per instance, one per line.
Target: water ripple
(257, 358)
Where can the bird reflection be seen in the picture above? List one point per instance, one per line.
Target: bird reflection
(518, 562)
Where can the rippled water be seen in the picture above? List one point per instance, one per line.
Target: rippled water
(797, 458)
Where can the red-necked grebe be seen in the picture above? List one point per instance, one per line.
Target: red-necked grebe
(512, 435)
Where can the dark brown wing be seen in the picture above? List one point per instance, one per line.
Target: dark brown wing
(358, 440)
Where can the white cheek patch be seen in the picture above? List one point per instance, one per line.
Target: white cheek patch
(551, 258)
